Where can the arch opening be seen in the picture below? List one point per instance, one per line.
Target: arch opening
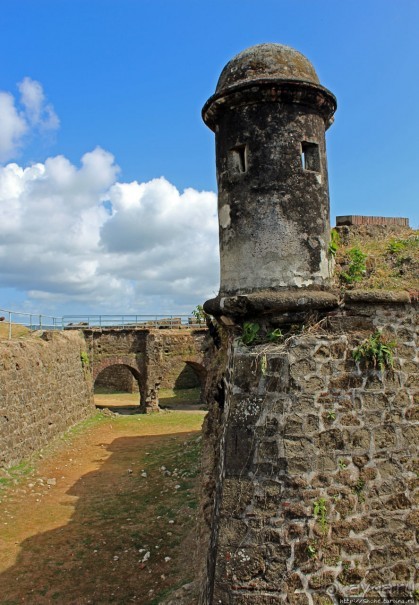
(187, 391)
(117, 388)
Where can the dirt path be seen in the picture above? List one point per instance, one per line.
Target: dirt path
(107, 517)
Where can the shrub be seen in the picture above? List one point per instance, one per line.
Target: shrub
(375, 351)
(357, 267)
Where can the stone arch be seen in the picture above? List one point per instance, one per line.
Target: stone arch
(118, 379)
(115, 361)
(198, 370)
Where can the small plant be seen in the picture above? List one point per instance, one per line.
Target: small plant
(359, 489)
(396, 245)
(199, 314)
(375, 350)
(357, 267)
(275, 335)
(334, 243)
(331, 415)
(311, 551)
(342, 464)
(320, 512)
(250, 331)
(84, 358)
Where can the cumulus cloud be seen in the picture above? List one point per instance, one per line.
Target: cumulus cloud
(74, 234)
(38, 111)
(12, 126)
(30, 113)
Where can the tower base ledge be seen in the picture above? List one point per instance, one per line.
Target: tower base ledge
(269, 302)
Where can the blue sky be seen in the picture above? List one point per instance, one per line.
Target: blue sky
(125, 81)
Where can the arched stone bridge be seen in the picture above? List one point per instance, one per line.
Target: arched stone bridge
(155, 357)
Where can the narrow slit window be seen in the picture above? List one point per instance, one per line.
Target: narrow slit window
(239, 157)
(310, 156)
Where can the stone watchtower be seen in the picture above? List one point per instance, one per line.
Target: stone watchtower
(311, 447)
(269, 114)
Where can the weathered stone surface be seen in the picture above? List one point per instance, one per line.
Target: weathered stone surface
(361, 465)
(44, 390)
(325, 446)
(272, 122)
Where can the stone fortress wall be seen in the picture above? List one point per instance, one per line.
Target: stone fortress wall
(44, 390)
(310, 483)
(316, 478)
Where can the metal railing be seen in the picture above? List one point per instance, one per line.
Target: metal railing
(32, 321)
(36, 321)
(131, 321)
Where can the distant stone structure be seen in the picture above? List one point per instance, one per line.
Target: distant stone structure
(372, 220)
(309, 472)
(154, 358)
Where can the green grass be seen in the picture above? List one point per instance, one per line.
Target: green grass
(16, 474)
(391, 258)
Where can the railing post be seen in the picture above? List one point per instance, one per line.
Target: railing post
(40, 322)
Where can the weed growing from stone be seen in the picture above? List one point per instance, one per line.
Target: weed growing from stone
(375, 351)
(320, 512)
(275, 335)
(250, 332)
(342, 465)
(334, 243)
(357, 267)
(331, 415)
(359, 488)
(312, 551)
(84, 358)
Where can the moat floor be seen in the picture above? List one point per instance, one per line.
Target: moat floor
(106, 516)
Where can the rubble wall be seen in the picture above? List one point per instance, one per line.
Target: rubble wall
(44, 390)
(315, 492)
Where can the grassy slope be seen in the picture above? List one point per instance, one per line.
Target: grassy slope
(392, 258)
(17, 330)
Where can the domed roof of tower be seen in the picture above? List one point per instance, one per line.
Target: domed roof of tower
(266, 62)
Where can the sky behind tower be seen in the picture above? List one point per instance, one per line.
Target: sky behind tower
(107, 172)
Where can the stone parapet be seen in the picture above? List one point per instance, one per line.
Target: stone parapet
(354, 219)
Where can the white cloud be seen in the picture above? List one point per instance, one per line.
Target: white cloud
(12, 127)
(75, 235)
(28, 115)
(38, 111)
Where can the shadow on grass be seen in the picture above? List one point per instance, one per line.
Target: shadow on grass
(169, 399)
(122, 512)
